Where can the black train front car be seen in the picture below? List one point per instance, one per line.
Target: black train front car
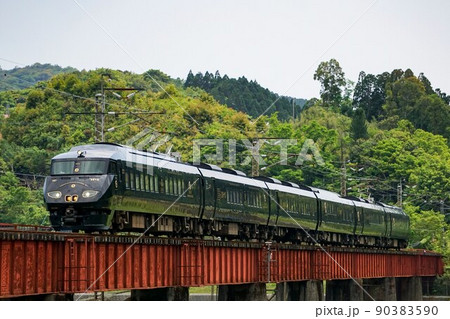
(114, 188)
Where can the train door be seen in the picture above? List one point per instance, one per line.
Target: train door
(209, 198)
(274, 208)
(113, 169)
(358, 220)
(388, 222)
(363, 218)
(318, 212)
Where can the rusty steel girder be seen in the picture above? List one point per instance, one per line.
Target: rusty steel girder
(43, 262)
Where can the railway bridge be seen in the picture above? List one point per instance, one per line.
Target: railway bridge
(36, 263)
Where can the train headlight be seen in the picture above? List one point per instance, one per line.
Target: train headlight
(89, 193)
(54, 194)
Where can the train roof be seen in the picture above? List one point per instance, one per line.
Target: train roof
(329, 196)
(233, 171)
(368, 205)
(232, 178)
(112, 151)
(392, 209)
(292, 190)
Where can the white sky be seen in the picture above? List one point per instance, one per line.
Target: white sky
(278, 43)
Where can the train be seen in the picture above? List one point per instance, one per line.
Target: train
(107, 187)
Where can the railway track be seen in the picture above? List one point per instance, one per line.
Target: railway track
(45, 233)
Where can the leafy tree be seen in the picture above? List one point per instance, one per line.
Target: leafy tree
(443, 96)
(370, 94)
(19, 204)
(34, 98)
(332, 79)
(402, 96)
(432, 114)
(426, 83)
(359, 126)
(428, 230)
(189, 79)
(413, 99)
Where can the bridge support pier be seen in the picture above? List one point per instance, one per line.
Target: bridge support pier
(309, 290)
(381, 289)
(409, 289)
(245, 292)
(344, 290)
(161, 294)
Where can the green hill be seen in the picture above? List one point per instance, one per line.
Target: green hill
(21, 78)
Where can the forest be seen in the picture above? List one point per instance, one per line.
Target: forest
(384, 136)
(245, 96)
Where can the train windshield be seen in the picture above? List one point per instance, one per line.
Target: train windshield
(77, 167)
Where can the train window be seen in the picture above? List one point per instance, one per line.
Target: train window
(253, 199)
(59, 168)
(78, 167)
(235, 197)
(190, 192)
(288, 205)
(333, 209)
(166, 186)
(147, 183)
(156, 180)
(138, 181)
(180, 187)
(142, 182)
(127, 178)
(91, 167)
(132, 180)
(134, 185)
(284, 204)
(152, 183)
(347, 213)
(112, 169)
